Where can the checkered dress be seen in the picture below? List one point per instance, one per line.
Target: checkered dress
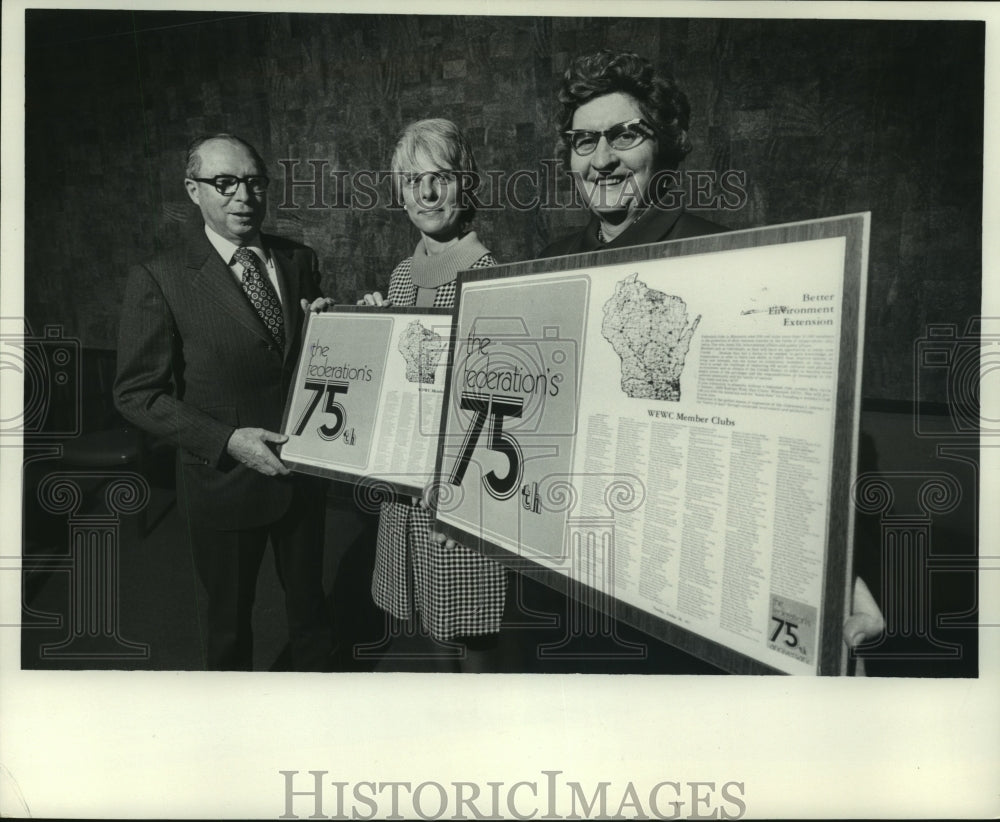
(456, 591)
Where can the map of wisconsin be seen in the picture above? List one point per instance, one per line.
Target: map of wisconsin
(422, 350)
(647, 329)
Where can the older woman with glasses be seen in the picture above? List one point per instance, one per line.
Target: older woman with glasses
(457, 593)
(624, 130)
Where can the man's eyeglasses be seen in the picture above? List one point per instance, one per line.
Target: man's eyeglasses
(620, 136)
(226, 184)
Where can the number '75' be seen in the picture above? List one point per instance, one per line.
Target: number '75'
(791, 638)
(332, 388)
(496, 407)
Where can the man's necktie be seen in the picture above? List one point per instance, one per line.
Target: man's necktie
(261, 294)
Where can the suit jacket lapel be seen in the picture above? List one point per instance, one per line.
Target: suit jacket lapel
(215, 280)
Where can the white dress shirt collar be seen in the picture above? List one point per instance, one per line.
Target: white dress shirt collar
(227, 249)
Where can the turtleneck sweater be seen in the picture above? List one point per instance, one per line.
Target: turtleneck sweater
(430, 271)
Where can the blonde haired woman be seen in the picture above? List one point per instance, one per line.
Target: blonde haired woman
(457, 593)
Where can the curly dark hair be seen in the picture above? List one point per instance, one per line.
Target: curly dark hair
(660, 99)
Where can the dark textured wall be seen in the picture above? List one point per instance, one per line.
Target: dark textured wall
(825, 118)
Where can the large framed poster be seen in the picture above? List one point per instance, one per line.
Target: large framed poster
(366, 402)
(670, 430)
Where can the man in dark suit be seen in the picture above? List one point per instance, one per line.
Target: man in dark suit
(207, 346)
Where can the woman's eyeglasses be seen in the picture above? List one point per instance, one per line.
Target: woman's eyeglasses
(620, 136)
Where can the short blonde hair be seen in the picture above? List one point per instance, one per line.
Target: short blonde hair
(440, 143)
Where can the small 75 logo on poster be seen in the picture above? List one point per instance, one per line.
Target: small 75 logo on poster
(792, 629)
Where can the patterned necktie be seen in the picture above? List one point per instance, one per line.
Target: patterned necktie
(261, 294)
